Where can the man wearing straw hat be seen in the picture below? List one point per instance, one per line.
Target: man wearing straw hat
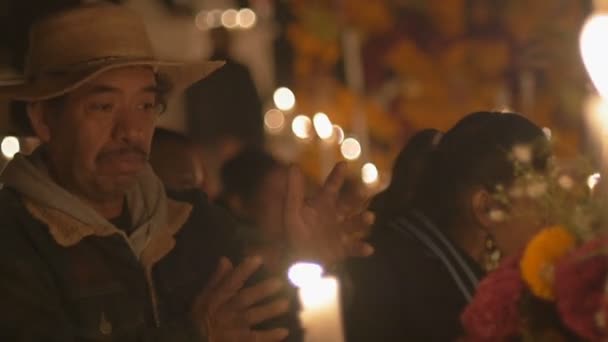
(91, 246)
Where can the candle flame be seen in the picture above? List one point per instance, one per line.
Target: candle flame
(302, 274)
(593, 51)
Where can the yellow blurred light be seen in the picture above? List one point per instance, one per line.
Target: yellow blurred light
(319, 295)
(214, 18)
(593, 180)
(301, 126)
(596, 108)
(200, 21)
(284, 99)
(274, 120)
(338, 134)
(246, 18)
(323, 126)
(229, 18)
(10, 146)
(302, 273)
(594, 52)
(350, 148)
(369, 173)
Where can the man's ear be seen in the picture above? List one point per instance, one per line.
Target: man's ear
(38, 120)
(484, 208)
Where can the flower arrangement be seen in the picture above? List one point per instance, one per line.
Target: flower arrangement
(555, 289)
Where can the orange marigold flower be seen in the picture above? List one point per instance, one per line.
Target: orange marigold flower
(540, 257)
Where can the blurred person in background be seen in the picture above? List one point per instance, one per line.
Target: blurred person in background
(92, 247)
(226, 103)
(215, 154)
(436, 244)
(253, 184)
(177, 161)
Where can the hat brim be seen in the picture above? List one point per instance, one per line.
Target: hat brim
(179, 74)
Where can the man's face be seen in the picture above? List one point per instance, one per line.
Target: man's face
(100, 138)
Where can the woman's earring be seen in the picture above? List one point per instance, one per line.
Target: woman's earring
(492, 254)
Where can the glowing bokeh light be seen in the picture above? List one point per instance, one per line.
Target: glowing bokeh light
(593, 51)
(302, 273)
(200, 21)
(284, 99)
(369, 173)
(246, 18)
(229, 18)
(274, 120)
(301, 126)
(323, 126)
(350, 148)
(338, 134)
(10, 146)
(214, 19)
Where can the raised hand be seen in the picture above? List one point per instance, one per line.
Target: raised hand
(225, 311)
(322, 228)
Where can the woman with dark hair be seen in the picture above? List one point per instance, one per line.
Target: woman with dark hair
(407, 171)
(430, 256)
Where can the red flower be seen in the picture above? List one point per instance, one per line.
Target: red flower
(580, 280)
(493, 314)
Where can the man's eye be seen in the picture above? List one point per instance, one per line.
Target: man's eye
(150, 107)
(101, 107)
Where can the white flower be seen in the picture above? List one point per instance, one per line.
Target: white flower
(566, 182)
(497, 215)
(522, 153)
(547, 132)
(593, 180)
(536, 189)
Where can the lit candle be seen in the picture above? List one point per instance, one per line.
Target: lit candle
(325, 131)
(596, 112)
(320, 314)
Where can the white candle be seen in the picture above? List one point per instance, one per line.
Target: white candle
(596, 112)
(320, 315)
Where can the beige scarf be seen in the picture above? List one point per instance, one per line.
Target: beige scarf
(146, 200)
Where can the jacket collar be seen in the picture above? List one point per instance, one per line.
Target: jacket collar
(68, 231)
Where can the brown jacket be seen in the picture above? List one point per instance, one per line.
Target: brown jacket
(95, 289)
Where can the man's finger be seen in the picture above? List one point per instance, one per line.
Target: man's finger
(235, 280)
(358, 248)
(262, 313)
(204, 300)
(334, 181)
(358, 224)
(224, 266)
(358, 203)
(274, 335)
(254, 294)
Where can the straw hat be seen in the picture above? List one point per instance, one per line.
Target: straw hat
(71, 47)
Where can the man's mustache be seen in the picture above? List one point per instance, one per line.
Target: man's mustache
(122, 151)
